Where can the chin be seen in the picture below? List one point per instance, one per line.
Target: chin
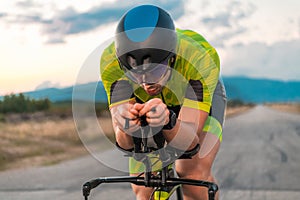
(152, 93)
(156, 92)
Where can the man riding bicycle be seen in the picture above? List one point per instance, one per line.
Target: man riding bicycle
(171, 76)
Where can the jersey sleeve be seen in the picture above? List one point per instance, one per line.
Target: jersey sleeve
(116, 85)
(203, 68)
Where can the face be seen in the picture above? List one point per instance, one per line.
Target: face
(152, 89)
(156, 88)
(152, 78)
(147, 72)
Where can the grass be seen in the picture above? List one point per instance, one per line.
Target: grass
(52, 139)
(286, 107)
(43, 139)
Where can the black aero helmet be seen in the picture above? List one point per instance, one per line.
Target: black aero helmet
(145, 37)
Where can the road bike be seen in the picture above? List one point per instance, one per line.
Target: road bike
(163, 181)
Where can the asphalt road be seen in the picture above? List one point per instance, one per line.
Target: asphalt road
(259, 159)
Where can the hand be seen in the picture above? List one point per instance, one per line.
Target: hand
(157, 113)
(126, 113)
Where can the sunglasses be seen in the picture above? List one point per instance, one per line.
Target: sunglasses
(149, 72)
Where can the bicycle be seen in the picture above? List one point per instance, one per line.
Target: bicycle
(163, 181)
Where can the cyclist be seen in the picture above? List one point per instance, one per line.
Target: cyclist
(171, 76)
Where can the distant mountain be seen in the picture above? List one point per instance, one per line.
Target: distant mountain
(242, 88)
(82, 92)
(262, 90)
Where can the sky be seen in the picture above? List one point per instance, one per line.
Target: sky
(44, 43)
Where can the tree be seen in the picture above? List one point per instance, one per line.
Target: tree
(21, 104)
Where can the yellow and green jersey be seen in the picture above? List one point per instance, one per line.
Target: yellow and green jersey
(192, 82)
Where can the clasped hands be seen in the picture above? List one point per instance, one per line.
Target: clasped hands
(154, 110)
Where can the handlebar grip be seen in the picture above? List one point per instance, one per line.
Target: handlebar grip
(86, 189)
(88, 186)
(94, 183)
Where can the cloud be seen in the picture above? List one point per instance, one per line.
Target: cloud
(219, 39)
(26, 4)
(222, 22)
(222, 19)
(228, 23)
(70, 21)
(277, 61)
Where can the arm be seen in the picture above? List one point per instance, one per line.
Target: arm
(189, 125)
(119, 114)
(120, 97)
(203, 76)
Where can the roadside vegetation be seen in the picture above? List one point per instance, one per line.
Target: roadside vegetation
(233, 103)
(291, 107)
(38, 132)
(41, 132)
(236, 106)
(21, 104)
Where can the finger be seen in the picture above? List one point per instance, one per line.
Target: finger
(156, 121)
(155, 101)
(134, 125)
(145, 109)
(127, 125)
(138, 106)
(123, 119)
(128, 113)
(157, 111)
(134, 112)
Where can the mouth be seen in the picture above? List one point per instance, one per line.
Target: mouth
(152, 89)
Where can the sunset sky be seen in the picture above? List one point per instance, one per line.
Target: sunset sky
(44, 43)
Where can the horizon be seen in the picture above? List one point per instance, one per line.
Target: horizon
(47, 42)
(226, 77)
(244, 89)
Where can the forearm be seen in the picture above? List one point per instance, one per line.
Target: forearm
(186, 133)
(123, 139)
(120, 113)
(182, 136)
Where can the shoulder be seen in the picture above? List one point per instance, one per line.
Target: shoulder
(192, 47)
(109, 66)
(193, 40)
(108, 55)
